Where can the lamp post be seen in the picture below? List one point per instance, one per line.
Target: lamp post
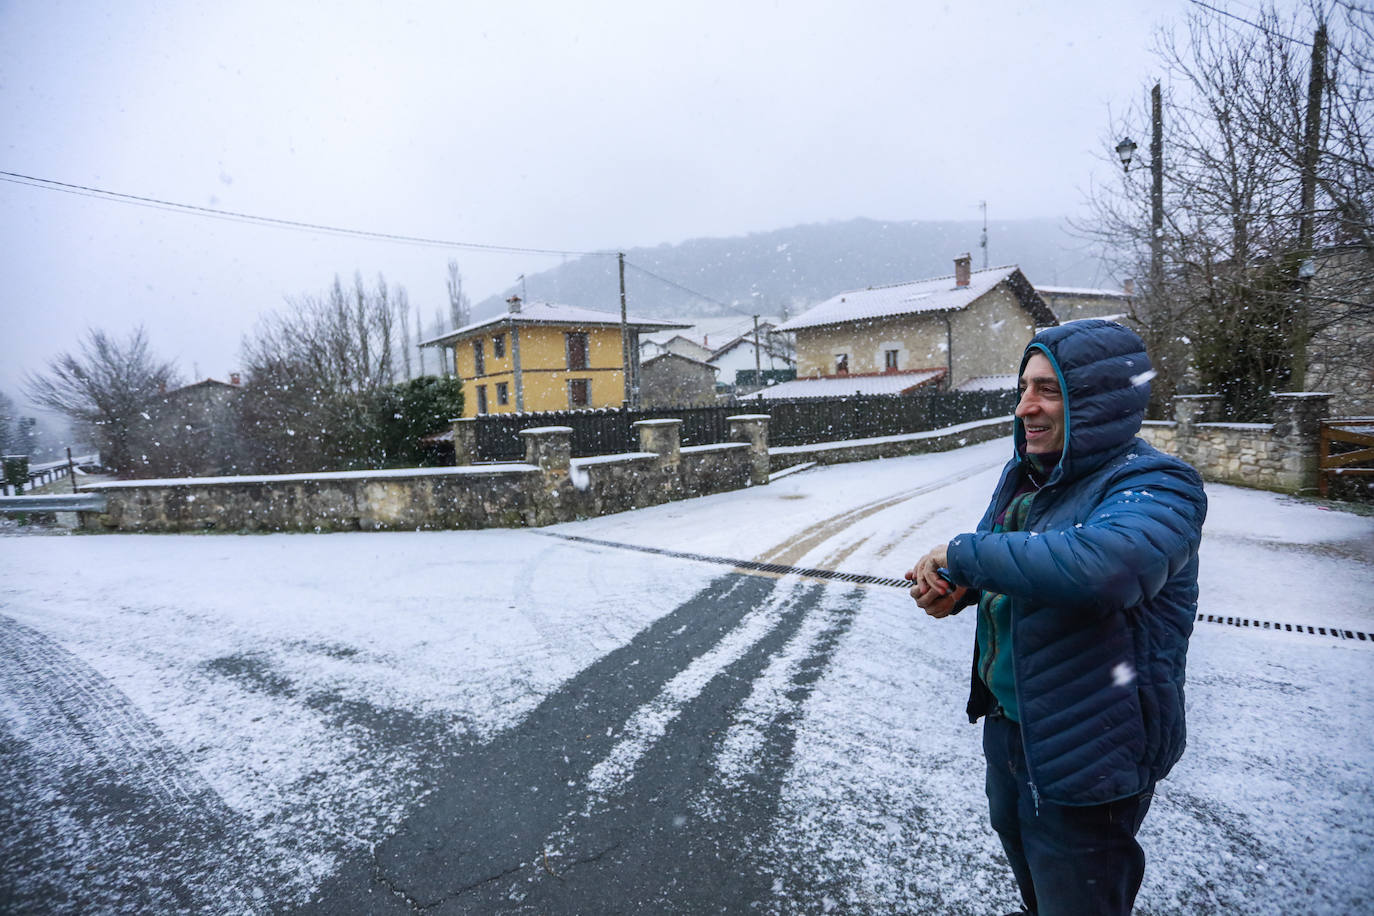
(1125, 150)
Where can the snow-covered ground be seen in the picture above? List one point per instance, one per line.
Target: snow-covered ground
(306, 689)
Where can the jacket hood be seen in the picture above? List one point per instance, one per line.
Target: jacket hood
(1105, 376)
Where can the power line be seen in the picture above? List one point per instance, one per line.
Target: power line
(685, 289)
(48, 184)
(1254, 25)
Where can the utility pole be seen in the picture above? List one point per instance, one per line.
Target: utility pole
(1310, 153)
(758, 361)
(983, 242)
(631, 386)
(1156, 194)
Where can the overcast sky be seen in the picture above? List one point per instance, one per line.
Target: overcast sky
(542, 125)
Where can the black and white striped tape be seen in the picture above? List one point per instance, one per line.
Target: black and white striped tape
(781, 569)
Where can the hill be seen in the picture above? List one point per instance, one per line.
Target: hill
(785, 271)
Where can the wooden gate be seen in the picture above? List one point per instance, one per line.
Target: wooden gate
(1347, 450)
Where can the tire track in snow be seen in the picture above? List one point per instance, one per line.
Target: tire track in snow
(587, 804)
(790, 551)
(97, 811)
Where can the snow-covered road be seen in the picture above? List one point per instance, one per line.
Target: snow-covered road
(505, 721)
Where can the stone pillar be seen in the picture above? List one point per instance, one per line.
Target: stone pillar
(464, 440)
(1298, 418)
(753, 428)
(549, 448)
(663, 438)
(1190, 410)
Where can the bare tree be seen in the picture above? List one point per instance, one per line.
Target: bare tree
(460, 308)
(403, 314)
(104, 389)
(318, 375)
(419, 337)
(1232, 311)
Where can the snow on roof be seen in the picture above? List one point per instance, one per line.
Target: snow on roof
(554, 313)
(682, 346)
(839, 386)
(988, 383)
(935, 295)
(669, 354)
(1083, 292)
(714, 332)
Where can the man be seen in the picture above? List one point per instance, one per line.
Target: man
(1084, 570)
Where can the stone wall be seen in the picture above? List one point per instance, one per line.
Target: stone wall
(1281, 456)
(548, 487)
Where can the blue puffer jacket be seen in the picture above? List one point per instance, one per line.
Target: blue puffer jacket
(1103, 581)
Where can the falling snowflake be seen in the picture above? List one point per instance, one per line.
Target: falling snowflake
(1123, 674)
(1142, 378)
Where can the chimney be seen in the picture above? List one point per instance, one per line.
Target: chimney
(514, 303)
(961, 269)
(234, 379)
(1128, 286)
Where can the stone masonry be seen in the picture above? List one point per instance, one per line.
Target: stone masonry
(548, 487)
(1278, 456)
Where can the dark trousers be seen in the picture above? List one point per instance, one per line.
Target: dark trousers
(1082, 861)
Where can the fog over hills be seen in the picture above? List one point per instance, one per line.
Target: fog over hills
(785, 271)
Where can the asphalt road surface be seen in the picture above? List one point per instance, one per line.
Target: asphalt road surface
(94, 800)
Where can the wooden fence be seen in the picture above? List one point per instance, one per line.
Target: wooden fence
(1347, 450)
(798, 422)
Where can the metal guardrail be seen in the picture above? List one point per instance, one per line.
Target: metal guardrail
(53, 502)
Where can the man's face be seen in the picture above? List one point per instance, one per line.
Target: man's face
(1041, 407)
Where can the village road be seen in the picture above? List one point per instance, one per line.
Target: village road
(533, 823)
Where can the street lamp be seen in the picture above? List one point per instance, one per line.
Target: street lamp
(1126, 150)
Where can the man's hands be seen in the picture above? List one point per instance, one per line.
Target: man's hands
(933, 594)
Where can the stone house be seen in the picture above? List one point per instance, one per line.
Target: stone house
(194, 431)
(948, 331)
(545, 356)
(1340, 348)
(679, 344)
(671, 380)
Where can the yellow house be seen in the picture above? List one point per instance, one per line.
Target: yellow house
(545, 356)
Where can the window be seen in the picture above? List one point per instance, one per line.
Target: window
(841, 363)
(498, 347)
(890, 360)
(577, 350)
(579, 391)
(481, 399)
(479, 358)
(502, 393)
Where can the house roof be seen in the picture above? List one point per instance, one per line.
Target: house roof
(836, 386)
(989, 383)
(938, 294)
(678, 344)
(206, 383)
(714, 331)
(552, 313)
(669, 354)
